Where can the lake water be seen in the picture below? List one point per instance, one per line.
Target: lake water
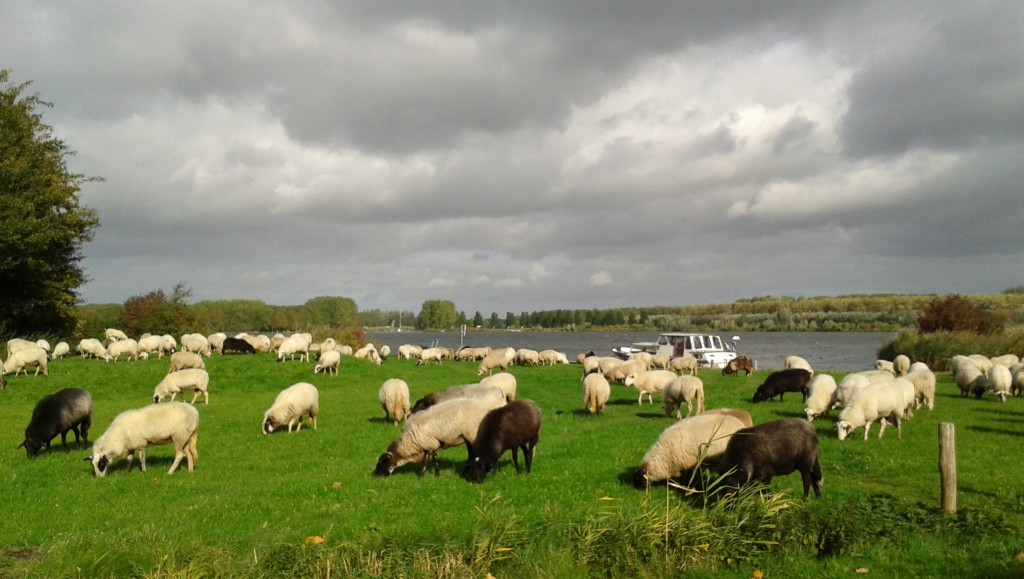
(842, 351)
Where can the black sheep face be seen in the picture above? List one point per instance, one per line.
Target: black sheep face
(33, 447)
(759, 396)
(268, 426)
(640, 478)
(478, 470)
(384, 466)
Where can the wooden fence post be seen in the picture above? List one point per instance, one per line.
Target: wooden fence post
(947, 466)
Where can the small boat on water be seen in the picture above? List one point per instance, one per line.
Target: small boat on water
(709, 349)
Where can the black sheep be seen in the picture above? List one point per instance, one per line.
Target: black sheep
(237, 345)
(69, 409)
(772, 449)
(511, 427)
(778, 383)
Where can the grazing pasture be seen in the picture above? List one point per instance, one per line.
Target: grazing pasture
(308, 504)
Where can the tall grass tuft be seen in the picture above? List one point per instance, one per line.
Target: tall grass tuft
(936, 349)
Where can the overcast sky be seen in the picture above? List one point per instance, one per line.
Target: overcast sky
(519, 156)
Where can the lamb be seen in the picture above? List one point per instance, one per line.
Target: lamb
(683, 389)
(822, 392)
(596, 392)
(290, 405)
(236, 345)
(462, 391)
(648, 382)
(183, 360)
(681, 363)
(328, 362)
(737, 365)
(772, 449)
(782, 381)
(970, 380)
(1000, 380)
(394, 399)
(505, 381)
(194, 379)
(131, 431)
(901, 364)
(128, 348)
(885, 366)
(196, 343)
(682, 447)
(92, 348)
(295, 344)
(792, 362)
(552, 357)
(66, 410)
(499, 358)
(445, 425)
(60, 350)
(515, 426)
(923, 380)
(18, 361)
(884, 400)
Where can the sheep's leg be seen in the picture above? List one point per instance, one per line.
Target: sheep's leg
(313, 416)
(515, 458)
(437, 467)
(178, 455)
(899, 428)
(640, 400)
(881, 430)
(423, 467)
(528, 452)
(867, 427)
(131, 457)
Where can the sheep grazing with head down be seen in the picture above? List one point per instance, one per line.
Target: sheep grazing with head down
(194, 379)
(291, 405)
(328, 362)
(394, 399)
(499, 358)
(184, 360)
(1000, 380)
(885, 366)
(18, 361)
(737, 365)
(821, 396)
(128, 348)
(237, 345)
(596, 392)
(684, 363)
(462, 391)
(515, 427)
(923, 380)
(444, 425)
(901, 364)
(970, 379)
(687, 444)
(1017, 383)
(778, 383)
(131, 431)
(887, 401)
(66, 410)
(60, 350)
(688, 389)
(771, 449)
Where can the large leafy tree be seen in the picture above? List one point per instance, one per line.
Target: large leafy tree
(437, 315)
(42, 224)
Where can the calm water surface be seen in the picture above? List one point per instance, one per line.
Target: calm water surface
(842, 351)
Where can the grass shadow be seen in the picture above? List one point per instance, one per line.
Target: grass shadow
(989, 430)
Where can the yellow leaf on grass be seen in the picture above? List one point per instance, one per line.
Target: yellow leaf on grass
(315, 540)
(862, 570)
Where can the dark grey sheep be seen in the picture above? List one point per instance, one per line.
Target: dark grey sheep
(69, 409)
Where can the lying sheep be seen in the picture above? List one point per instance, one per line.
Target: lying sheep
(782, 381)
(328, 362)
(18, 361)
(1000, 381)
(66, 410)
(131, 431)
(771, 449)
(185, 360)
(792, 362)
(685, 445)
(649, 382)
(394, 399)
(923, 380)
(901, 364)
(128, 348)
(290, 405)
(821, 397)
(683, 389)
(506, 381)
(515, 427)
(596, 392)
(463, 391)
(190, 379)
(886, 401)
(445, 425)
(681, 363)
(499, 358)
(737, 365)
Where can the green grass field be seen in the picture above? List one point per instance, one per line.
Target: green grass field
(254, 501)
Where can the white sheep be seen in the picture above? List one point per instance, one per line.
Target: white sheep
(620, 372)
(506, 381)
(681, 363)
(385, 352)
(1000, 381)
(295, 344)
(983, 362)
(19, 344)
(822, 396)
(527, 357)
(328, 362)
(291, 405)
(682, 389)
(499, 358)
(394, 399)
(1005, 360)
(216, 341)
(923, 380)
(113, 335)
(60, 350)
(444, 425)
(649, 382)
(18, 361)
(1017, 374)
(596, 392)
(128, 348)
(606, 364)
(170, 344)
(366, 352)
(46, 345)
(797, 362)
(887, 401)
(409, 352)
(132, 431)
(885, 366)
(183, 360)
(478, 390)
(851, 383)
(970, 379)
(644, 357)
(343, 349)
(552, 357)
(685, 445)
(590, 365)
(151, 344)
(661, 362)
(901, 364)
(427, 355)
(189, 379)
(92, 348)
(196, 343)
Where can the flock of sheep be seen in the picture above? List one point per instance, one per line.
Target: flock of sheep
(487, 418)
